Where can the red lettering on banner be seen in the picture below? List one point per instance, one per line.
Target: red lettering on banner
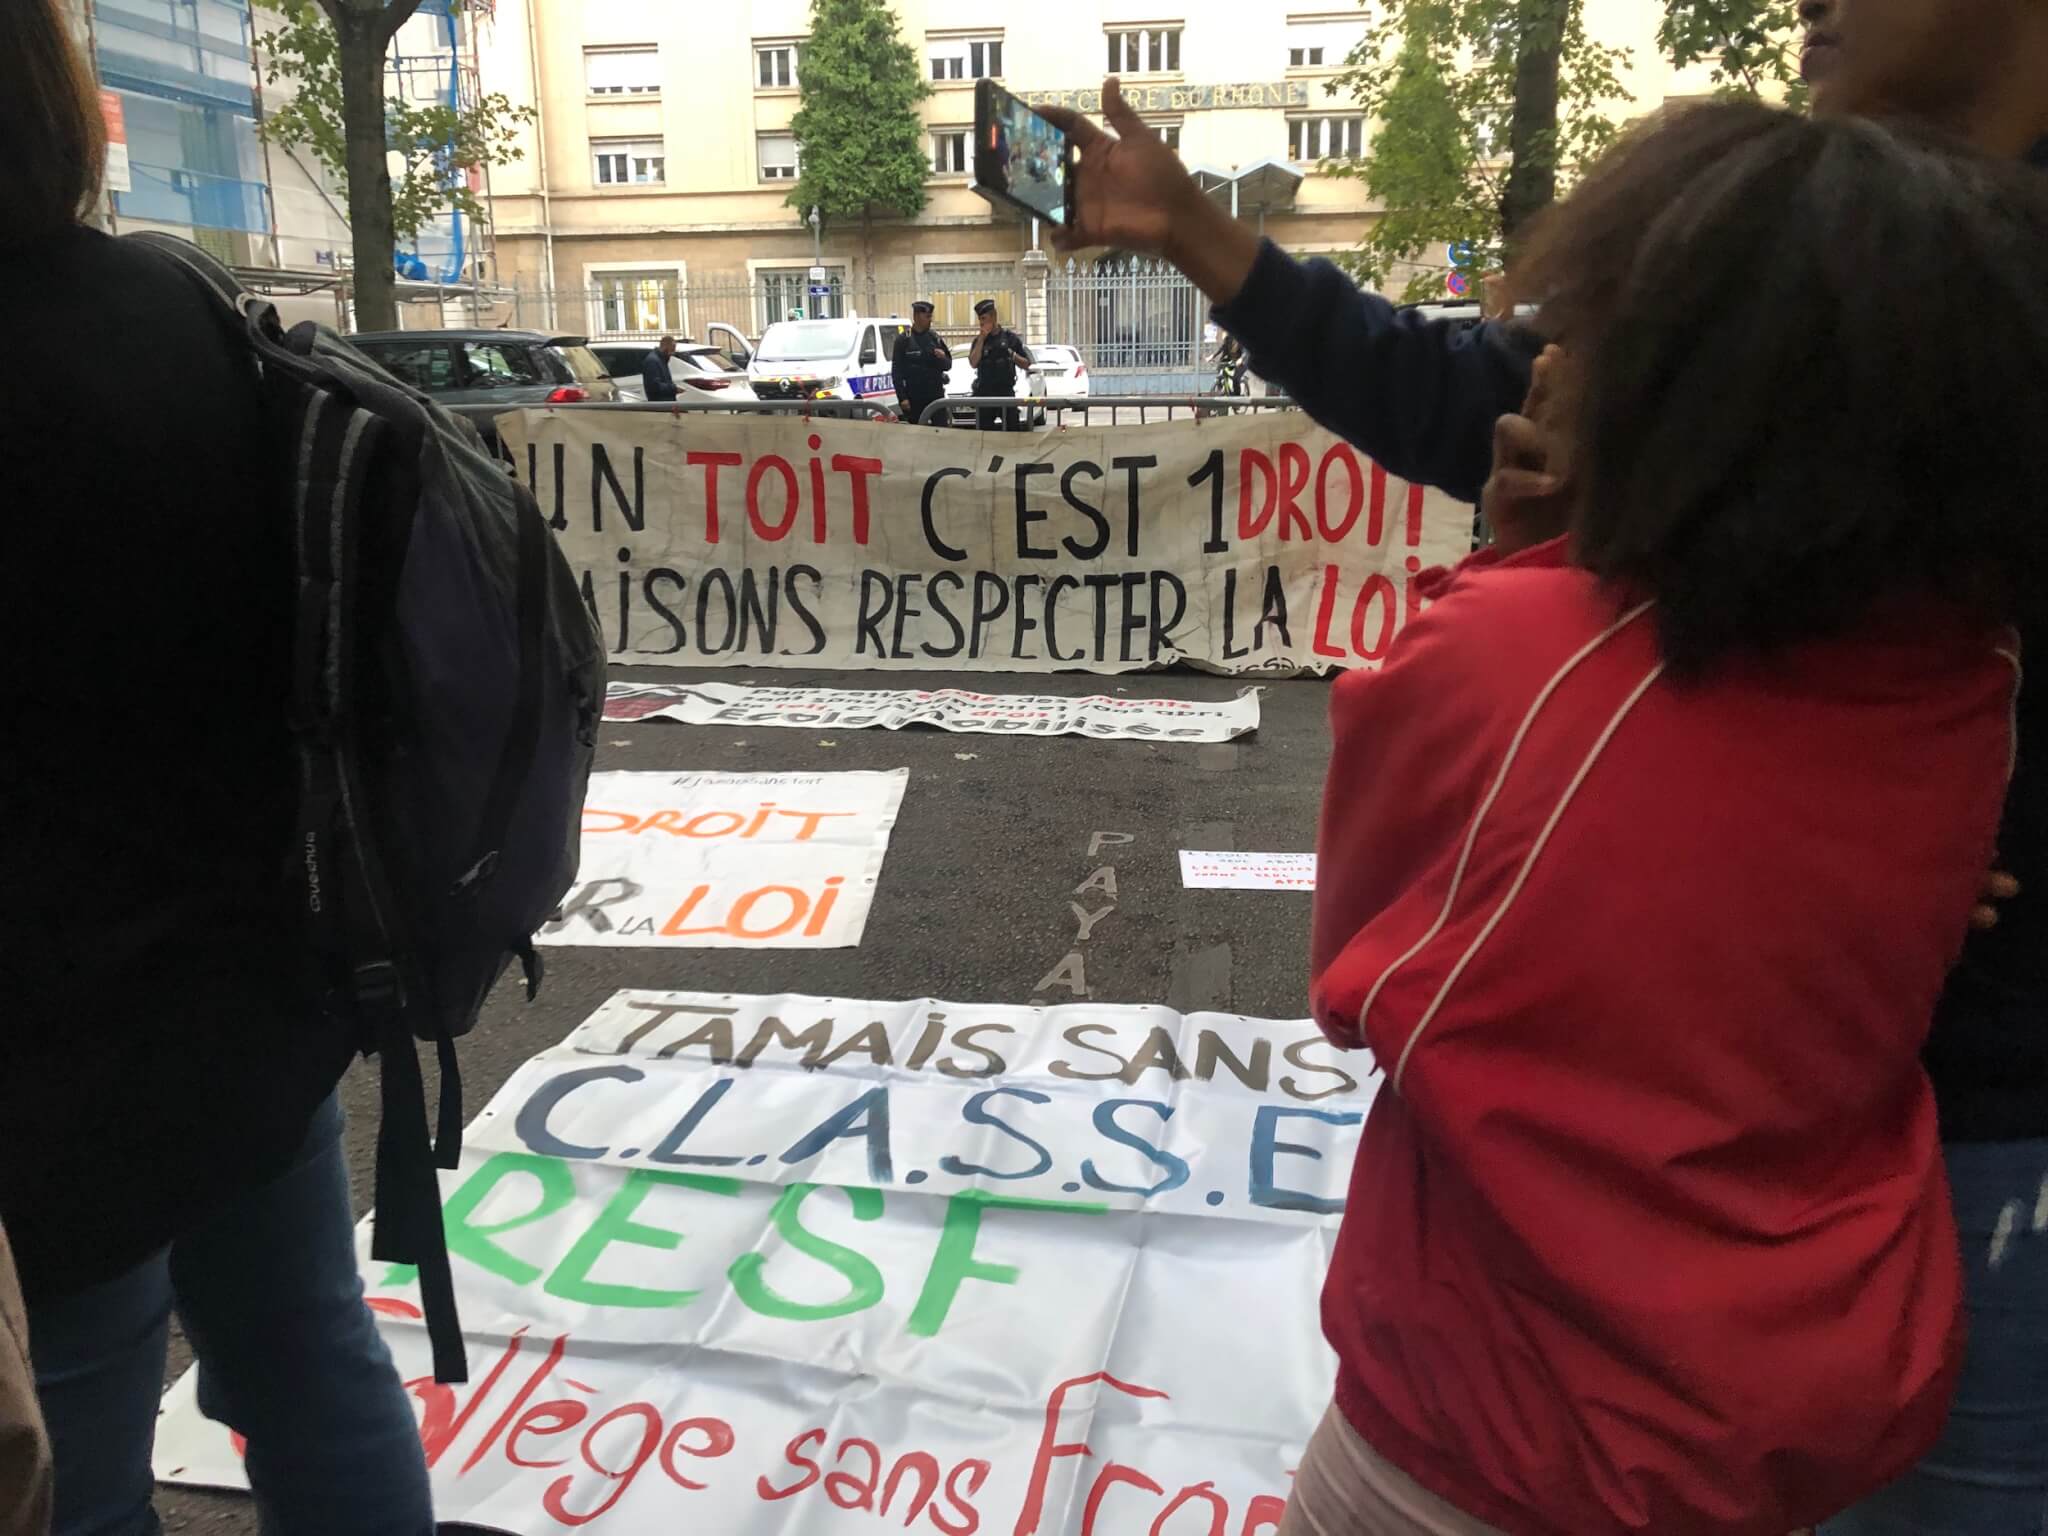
(1376, 516)
(1342, 456)
(1112, 1474)
(1262, 1514)
(1253, 464)
(712, 463)
(718, 1441)
(1414, 587)
(555, 1499)
(1293, 481)
(1324, 610)
(1051, 1447)
(848, 1491)
(735, 922)
(1414, 516)
(762, 528)
(1376, 586)
(969, 1522)
(793, 1454)
(556, 1417)
(857, 471)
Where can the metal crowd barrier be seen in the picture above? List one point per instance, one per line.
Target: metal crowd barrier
(960, 408)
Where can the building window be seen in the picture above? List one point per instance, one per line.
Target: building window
(626, 162)
(1169, 134)
(635, 303)
(1145, 51)
(956, 287)
(786, 295)
(1323, 42)
(775, 66)
(622, 71)
(967, 58)
(949, 151)
(1324, 138)
(778, 156)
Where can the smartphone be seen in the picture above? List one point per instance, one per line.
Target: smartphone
(1020, 158)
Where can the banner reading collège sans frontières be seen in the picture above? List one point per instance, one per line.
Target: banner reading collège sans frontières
(1249, 543)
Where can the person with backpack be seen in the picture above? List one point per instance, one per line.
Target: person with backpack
(1427, 398)
(369, 691)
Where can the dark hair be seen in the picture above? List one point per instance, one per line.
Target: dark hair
(1808, 374)
(52, 138)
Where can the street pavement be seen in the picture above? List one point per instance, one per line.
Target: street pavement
(992, 838)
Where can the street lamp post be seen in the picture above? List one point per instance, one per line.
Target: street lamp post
(817, 222)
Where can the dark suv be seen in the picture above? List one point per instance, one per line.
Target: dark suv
(491, 367)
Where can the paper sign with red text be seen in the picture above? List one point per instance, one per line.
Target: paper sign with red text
(762, 1265)
(729, 860)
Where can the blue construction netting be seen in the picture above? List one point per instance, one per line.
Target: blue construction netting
(439, 251)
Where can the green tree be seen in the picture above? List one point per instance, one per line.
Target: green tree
(1480, 107)
(859, 139)
(333, 53)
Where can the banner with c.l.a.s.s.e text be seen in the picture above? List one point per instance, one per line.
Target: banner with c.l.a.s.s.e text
(1248, 543)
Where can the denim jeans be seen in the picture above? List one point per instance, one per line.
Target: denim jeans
(1988, 1474)
(268, 1294)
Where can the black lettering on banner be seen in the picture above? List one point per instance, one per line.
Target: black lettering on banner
(987, 583)
(1133, 618)
(1162, 627)
(1130, 467)
(653, 600)
(1093, 514)
(1025, 621)
(905, 612)
(939, 546)
(1273, 611)
(868, 627)
(753, 616)
(590, 598)
(602, 475)
(797, 606)
(1211, 473)
(560, 518)
(732, 618)
(1099, 582)
(938, 602)
(1052, 608)
(1231, 652)
(626, 607)
(1028, 514)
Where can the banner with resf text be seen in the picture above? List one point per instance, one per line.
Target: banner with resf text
(756, 1266)
(1248, 543)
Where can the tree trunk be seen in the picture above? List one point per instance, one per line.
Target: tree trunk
(361, 42)
(1532, 127)
(867, 256)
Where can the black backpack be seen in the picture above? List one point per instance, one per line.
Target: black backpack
(447, 685)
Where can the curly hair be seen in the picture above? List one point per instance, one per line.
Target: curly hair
(1809, 361)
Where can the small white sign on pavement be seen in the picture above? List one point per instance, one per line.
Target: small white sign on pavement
(1102, 716)
(1225, 870)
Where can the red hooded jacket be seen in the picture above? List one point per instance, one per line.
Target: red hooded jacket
(1648, 1230)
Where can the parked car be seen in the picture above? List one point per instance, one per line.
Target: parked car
(850, 359)
(699, 371)
(1065, 371)
(1031, 384)
(494, 368)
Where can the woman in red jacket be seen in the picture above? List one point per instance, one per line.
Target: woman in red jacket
(1646, 855)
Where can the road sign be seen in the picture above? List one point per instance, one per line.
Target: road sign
(1459, 253)
(819, 275)
(1458, 285)
(821, 291)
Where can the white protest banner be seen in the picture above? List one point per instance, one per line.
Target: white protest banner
(1224, 870)
(1254, 543)
(729, 860)
(760, 1265)
(949, 709)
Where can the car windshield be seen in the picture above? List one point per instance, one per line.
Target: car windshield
(622, 362)
(710, 360)
(583, 363)
(807, 341)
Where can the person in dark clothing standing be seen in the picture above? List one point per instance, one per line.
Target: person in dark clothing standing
(655, 378)
(1425, 398)
(169, 1131)
(997, 354)
(921, 364)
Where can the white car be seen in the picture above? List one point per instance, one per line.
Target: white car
(700, 372)
(849, 359)
(1066, 373)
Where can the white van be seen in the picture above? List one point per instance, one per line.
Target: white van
(847, 359)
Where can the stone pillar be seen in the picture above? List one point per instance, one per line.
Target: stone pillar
(1037, 274)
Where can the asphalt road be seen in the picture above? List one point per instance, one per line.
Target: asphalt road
(990, 843)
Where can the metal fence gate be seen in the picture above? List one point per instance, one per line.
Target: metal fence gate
(1139, 321)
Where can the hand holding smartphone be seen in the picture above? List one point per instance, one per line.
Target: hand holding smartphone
(1020, 158)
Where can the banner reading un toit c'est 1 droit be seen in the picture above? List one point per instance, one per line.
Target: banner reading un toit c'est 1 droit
(1249, 543)
(757, 1266)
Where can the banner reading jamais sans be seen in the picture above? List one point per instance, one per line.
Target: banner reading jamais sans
(1251, 543)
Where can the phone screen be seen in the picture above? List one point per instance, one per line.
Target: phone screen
(1019, 156)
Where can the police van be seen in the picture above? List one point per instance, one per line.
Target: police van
(849, 359)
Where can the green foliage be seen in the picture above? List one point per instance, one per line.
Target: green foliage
(858, 135)
(305, 50)
(1751, 44)
(1436, 80)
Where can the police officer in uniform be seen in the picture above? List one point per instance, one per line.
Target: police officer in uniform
(921, 363)
(997, 354)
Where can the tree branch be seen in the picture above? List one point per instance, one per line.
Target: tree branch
(396, 14)
(334, 10)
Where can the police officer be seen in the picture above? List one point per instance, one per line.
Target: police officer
(997, 354)
(921, 363)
